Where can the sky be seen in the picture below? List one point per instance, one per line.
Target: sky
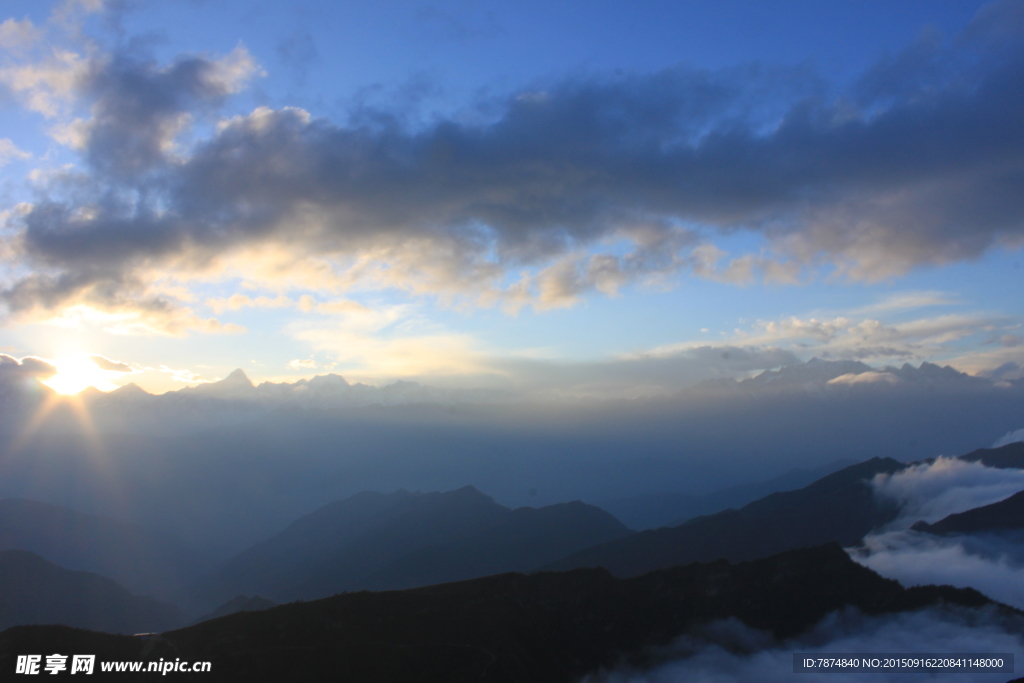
(476, 193)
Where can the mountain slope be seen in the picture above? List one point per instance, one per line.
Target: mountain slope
(1010, 456)
(144, 561)
(547, 627)
(34, 591)
(657, 510)
(840, 507)
(526, 538)
(1002, 516)
(399, 540)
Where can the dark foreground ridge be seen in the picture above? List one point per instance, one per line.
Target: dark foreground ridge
(512, 627)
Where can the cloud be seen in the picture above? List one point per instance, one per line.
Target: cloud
(105, 363)
(138, 108)
(590, 184)
(183, 375)
(728, 651)
(1011, 437)
(10, 152)
(648, 373)
(46, 86)
(993, 564)
(28, 367)
(397, 342)
(875, 340)
(908, 300)
(932, 490)
(152, 317)
(238, 301)
(366, 354)
(18, 36)
(870, 377)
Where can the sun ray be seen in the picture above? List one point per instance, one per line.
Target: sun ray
(78, 372)
(69, 416)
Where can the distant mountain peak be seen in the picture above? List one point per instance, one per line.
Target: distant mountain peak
(236, 378)
(130, 389)
(328, 380)
(236, 385)
(814, 370)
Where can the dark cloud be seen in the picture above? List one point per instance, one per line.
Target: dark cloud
(921, 164)
(28, 367)
(139, 108)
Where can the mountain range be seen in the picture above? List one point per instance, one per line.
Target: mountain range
(840, 507)
(652, 511)
(445, 606)
(224, 465)
(35, 591)
(399, 540)
(143, 560)
(236, 399)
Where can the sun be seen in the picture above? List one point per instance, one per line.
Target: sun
(75, 373)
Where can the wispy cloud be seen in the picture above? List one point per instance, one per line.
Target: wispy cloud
(874, 340)
(992, 562)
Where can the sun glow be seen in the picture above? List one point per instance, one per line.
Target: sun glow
(75, 373)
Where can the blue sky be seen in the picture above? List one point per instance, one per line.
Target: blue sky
(467, 192)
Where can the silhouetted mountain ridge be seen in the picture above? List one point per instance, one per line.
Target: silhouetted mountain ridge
(143, 560)
(403, 539)
(1010, 456)
(1005, 515)
(34, 591)
(840, 507)
(653, 511)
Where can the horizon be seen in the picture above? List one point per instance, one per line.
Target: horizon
(241, 372)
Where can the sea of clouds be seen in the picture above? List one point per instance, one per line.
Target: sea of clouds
(730, 652)
(992, 563)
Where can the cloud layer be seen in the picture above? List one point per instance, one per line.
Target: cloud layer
(930, 491)
(992, 563)
(727, 652)
(29, 367)
(588, 183)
